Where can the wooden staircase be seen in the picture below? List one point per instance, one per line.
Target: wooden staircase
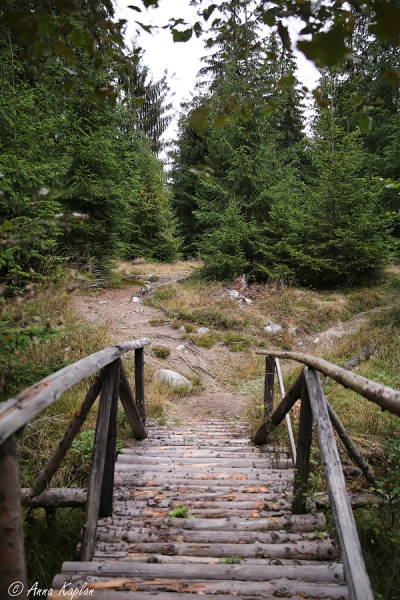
(243, 542)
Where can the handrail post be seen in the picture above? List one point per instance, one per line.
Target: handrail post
(349, 543)
(110, 376)
(269, 388)
(139, 383)
(303, 453)
(107, 488)
(12, 564)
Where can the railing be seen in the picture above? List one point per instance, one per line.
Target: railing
(111, 383)
(315, 407)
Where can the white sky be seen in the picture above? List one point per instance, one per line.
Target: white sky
(182, 60)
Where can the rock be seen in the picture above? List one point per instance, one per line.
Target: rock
(138, 261)
(233, 294)
(180, 348)
(292, 330)
(137, 300)
(247, 300)
(203, 330)
(102, 302)
(316, 340)
(172, 378)
(271, 327)
(182, 329)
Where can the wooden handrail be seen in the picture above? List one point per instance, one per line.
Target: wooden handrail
(386, 397)
(16, 412)
(315, 407)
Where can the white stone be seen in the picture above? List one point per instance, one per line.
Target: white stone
(292, 330)
(182, 329)
(137, 300)
(247, 300)
(316, 340)
(172, 378)
(102, 302)
(271, 327)
(180, 348)
(203, 330)
(233, 294)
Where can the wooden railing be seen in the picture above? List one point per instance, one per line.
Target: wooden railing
(111, 383)
(316, 408)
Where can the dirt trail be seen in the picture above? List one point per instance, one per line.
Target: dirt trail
(127, 320)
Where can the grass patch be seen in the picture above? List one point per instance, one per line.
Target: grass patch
(160, 351)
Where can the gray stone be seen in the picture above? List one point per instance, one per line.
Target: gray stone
(292, 330)
(203, 330)
(171, 378)
(136, 300)
(233, 294)
(271, 327)
(182, 329)
(180, 348)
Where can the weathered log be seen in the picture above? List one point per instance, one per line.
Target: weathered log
(356, 500)
(204, 472)
(103, 552)
(12, 563)
(253, 505)
(253, 454)
(351, 448)
(303, 454)
(139, 383)
(107, 488)
(386, 397)
(354, 567)
(130, 407)
(209, 462)
(288, 522)
(98, 461)
(116, 534)
(316, 574)
(74, 428)
(246, 591)
(269, 388)
(16, 412)
(190, 482)
(55, 498)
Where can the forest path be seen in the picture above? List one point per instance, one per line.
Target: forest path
(127, 320)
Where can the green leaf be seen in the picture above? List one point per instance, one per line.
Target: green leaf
(182, 36)
(63, 50)
(7, 225)
(139, 101)
(393, 76)
(269, 17)
(326, 48)
(134, 8)
(68, 85)
(219, 121)
(197, 119)
(365, 123)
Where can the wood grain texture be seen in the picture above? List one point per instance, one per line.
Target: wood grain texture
(130, 407)
(16, 412)
(303, 454)
(139, 383)
(269, 380)
(111, 372)
(353, 561)
(12, 563)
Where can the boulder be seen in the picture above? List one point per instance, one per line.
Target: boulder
(203, 330)
(271, 327)
(171, 378)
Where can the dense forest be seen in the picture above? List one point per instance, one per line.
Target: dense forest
(265, 186)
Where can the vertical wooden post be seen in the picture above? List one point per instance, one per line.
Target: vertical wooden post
(110, 374)
(303, 453)
(12, 556)
(269, 388)
(139, 383)
(350, 548)
(107, 489)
